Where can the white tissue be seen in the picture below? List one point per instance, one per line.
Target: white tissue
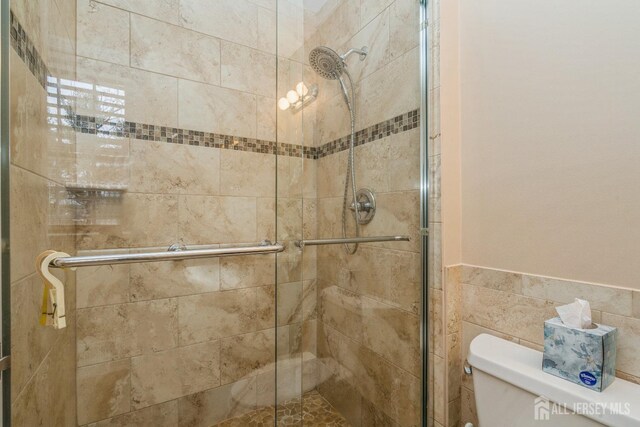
(576, 315)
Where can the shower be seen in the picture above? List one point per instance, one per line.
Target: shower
(330, 65)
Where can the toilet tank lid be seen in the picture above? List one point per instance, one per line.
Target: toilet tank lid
(617, 406)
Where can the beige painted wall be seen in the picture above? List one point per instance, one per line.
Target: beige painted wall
(550, 96)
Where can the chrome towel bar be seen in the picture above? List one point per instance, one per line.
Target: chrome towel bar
(169, 255)
(339, 241)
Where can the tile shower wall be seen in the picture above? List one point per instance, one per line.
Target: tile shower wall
(368, 341)
(514, 306)
(189, 343)
(42, 161)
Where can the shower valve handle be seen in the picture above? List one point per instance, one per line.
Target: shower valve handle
(365, 206)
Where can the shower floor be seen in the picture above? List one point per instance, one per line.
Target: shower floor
(316, 412)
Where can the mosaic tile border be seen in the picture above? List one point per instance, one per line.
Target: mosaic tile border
(394, 125)
(149, 132)
(24, 47)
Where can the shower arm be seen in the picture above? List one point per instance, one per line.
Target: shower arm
(362, 52)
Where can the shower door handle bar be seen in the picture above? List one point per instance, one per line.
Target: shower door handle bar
(93, 260)
(339, 241)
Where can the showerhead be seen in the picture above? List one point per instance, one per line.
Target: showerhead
(326, 62)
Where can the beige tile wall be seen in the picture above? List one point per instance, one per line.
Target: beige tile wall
(42, 160)
(514, 306)
(368, 303)
(192, 343)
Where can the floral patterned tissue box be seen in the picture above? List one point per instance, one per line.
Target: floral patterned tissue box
(583, 356)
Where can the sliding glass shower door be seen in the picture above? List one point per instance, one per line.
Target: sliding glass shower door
(200, 165)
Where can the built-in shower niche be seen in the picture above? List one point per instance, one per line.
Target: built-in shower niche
(96, 206)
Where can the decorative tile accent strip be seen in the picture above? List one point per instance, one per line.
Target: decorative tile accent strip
(24, 47)
(147, 132)
(401, 123)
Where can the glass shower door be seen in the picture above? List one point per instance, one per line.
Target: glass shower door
(138, 128)
(349, 319)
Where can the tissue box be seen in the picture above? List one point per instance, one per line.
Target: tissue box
(583, 356)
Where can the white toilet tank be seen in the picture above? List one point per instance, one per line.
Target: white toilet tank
(512, 391)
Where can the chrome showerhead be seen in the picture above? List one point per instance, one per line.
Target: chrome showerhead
(326, 62)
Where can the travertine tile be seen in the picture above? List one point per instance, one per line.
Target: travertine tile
(29, 148)
(234, 179)
(214, 315)
(605, 298)
(162, 10)
(268, 30)
(233, 20)
(248, 70)
(343, 24)
(342, 310)
(216, 109)
(453, 299)
(437, 317)
(211, 220)
(494, 279)
(375, 36)
(404, 26)
(102, 161)
(289, 303)
(30, 341)
(59, 39)
(162, 415)
(390, 91)
(212, 406)
(454, 412)
(435, 255)
(266, 218)
(374, 177)
(266, 118)
(102, 285)
(103, 32)
(173, 50)
(333, 120)
(247, 271)
(290, 219)
(158, 167)
(468, 410)
(119, 331)
(371, 8)
(170, 279)
(290, 29)
(440, 395)
(147, 97)
(373, 416)
(397, 214)
(404, 161)
(103, 391)
(627, 359)
(454, 366)
(332, 170)
(636, 304)
(61, 376)
(139, 220)
(509, 313)
(244, 355)
(393, 334)
(329, 217)
(163, 376)
(29, 220)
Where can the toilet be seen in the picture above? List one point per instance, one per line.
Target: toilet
(511, 390)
